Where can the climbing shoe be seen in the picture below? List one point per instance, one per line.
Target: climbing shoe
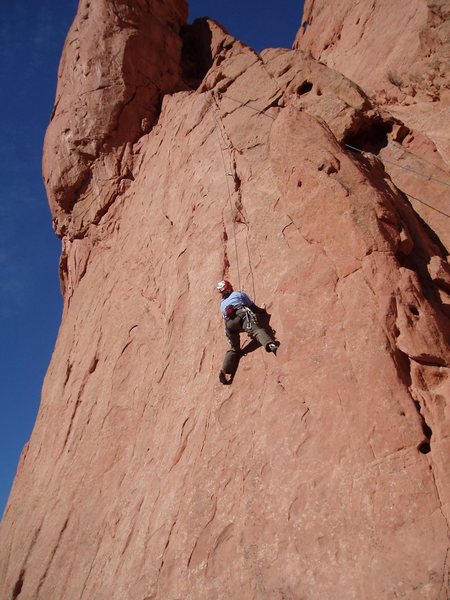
(272, 347)
(223, 378)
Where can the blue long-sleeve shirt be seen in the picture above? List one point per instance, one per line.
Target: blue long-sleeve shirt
(236, 299)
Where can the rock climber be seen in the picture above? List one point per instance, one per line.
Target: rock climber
(239, 314)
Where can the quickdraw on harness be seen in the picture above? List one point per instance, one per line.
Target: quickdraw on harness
(249, 318)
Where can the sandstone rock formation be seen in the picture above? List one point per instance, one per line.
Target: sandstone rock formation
(320, 473)
(110, 88)
(399, 53)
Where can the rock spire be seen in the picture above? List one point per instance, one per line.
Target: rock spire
(320, 473)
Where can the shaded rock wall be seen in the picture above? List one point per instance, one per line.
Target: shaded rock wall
(320, 473)
(398, 53)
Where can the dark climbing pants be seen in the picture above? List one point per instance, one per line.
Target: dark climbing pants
(233, 329)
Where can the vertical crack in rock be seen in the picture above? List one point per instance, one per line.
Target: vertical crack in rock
(205, 431)
(68, 372)
(183, 443)
(91, 566)
(424, 447)
(445, 587)
(55, 549)
(71, 422)
(225, 260)
(20, 580)
(166, 546)
(18, 586)
(91, 369)
(204, 529)
(233, 154)
(446, 566)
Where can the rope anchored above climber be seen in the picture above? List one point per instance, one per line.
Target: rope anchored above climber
(239, 313)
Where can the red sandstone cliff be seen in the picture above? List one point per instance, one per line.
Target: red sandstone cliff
(320, 473)
(398, 52)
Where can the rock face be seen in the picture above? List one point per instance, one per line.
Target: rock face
(110, 88)
(383, 44)
(320, 473)
(398, 53)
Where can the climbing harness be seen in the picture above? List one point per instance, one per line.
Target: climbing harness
(249, 318)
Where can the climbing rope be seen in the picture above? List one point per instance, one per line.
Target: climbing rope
(392, 162)
(247, 105)
(222, 143)
(429, 205)
(422, 174)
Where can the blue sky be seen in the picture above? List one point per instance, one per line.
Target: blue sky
(32, 34)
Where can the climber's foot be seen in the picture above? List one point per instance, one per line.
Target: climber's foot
(223, 378)
(272, 347)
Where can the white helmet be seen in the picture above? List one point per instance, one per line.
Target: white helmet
(224, 286)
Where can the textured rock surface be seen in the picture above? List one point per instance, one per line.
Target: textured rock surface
(110, 87)
(382, 44)
(320, 473)
(399, 53)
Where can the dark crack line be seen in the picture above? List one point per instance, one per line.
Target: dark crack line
(52, 556)
(210, 520)
(166, 546)
(91, 567)
(445, 575)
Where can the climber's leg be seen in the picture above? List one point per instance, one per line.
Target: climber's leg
(231, 360)
(260, 335)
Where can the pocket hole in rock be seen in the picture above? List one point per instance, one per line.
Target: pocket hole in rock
(304, 88)
(424, 447)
